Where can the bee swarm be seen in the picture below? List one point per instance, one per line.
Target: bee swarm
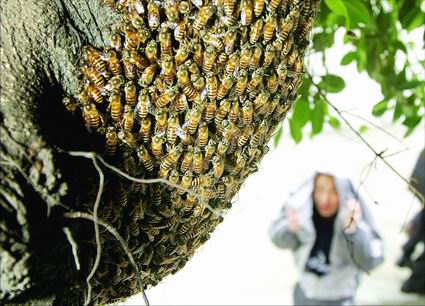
(188, 91)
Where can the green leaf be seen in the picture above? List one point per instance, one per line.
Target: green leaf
(411, 123)
(334, 122)
(380, 108)
(295, 130)
(363, 129)
(357, 12)
(301, 112)
(277, 137)
(332, 83)
(413, 19)
(348, 58)
(397, 112)
(318, 116)
(337, 6)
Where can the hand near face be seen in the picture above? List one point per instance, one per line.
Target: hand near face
(353, 215)
(293, 220)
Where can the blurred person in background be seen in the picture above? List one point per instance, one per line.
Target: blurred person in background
(331, 232)
(416, 231)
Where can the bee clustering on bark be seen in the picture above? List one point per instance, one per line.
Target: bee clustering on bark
(195, 89)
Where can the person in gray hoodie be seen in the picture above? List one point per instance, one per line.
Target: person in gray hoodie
(331, 232)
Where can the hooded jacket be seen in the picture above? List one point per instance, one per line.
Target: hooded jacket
(349, 253)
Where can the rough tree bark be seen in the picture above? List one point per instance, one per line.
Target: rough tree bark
(40, 43)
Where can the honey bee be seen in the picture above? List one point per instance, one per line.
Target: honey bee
(184, 7)
(246, 12)
(241, 161)
(128, 119)
(201, 19)
(221, 188)
(269, 27)
(180, 31)
(285, 27)
(145, 129)
(114, 84)
(153, 15)
(229, 6)
(259, 133)
(245, 57)
(193, 119)
(168, 70)
(225, 86)
(213, 40)
(222, 111)
(269, 55)
(143, 104)
(171, 10)
(173, 122)
(210, 150)
(272, 106)
(292, 57)
(115, 41)
(181, 102)
(198, 82)
(148, 75)
(258, 7)
(190, 91)
(181, 55)
(161, 118)
(299, 65)
(232, 63)
(221, 60)
(156, 144)
(229, 40)
(183, 76)
(254, 61)
(93, 75)
(257, 77)
(186, 181)
(91, 116)
(111, 140)
(246, 134)
(197, 161)
(130, 70)
(151, 51)
(192, 67)
(273, 5)
(113, 62)
(272, 83)
(69, 104)
(234, 112)
(172, 157)
(115, 107)
(256, 30)
(222, 147)
(218, 166)
(138, 60)
(247, 112)
(167, 96)
(145, 158)
(261, 99)
(209, 57)
(94, 58)
(184, 135)
(212, 86)
(187, 159)
(130, 92)
(165, 43)
(203, 134)
(282, 72)
(94, 92)
(242, 82)
(132, 38)
(287, 47)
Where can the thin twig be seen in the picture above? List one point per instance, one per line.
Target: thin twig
(146, 181)
(375, 126)
(74, 246)
(114, 232)
(378, 155)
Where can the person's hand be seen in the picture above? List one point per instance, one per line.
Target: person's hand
(353, 215)
(293, 220)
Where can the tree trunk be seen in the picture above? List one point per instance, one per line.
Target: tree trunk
(40, 182)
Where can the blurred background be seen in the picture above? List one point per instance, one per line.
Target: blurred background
(368, 61)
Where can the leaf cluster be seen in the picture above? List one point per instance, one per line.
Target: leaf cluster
(377, 34)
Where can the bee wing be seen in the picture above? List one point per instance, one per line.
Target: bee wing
(197, 3)
(181, 132)
(138, 6)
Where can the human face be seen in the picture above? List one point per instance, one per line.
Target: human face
(325, 196)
